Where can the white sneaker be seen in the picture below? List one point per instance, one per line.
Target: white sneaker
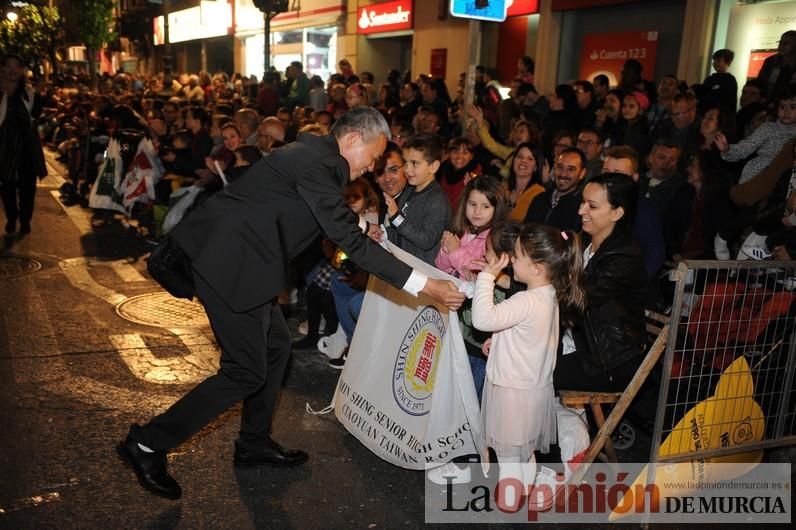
(450, 473)
(720, 248)
(754, 247)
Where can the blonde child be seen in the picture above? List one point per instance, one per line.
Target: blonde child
(518, 402)
(483, 203)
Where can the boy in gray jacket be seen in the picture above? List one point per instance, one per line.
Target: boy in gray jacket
(426, 213)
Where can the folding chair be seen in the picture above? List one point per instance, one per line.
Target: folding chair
(620, 400)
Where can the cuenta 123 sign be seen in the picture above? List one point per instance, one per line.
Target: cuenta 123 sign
(606, 53)
(388, 16)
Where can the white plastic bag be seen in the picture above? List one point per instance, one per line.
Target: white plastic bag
(573, 436)
(186, 196)
(334, 345)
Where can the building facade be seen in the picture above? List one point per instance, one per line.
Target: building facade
(568, 39)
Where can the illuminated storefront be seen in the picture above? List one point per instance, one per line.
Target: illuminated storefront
(200, 36)
(308, 35)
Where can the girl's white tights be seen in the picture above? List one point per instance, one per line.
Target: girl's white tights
(510, 466)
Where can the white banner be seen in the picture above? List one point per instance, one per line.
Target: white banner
(407, 391)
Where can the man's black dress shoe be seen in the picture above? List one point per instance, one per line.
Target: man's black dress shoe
(150, 468)
(268, 453)
(11, 227)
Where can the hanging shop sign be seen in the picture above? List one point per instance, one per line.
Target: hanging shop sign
(492, 11)
(518, 8)
(386, 17)
(208, 19)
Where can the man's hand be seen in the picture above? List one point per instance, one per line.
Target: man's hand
(445, 292)
(392, 206)
(375, 233)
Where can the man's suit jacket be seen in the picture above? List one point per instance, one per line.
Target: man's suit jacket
(241, 239)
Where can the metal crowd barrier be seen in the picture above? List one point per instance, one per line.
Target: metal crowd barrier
(727, 384)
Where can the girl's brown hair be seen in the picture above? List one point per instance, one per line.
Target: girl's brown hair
(494, 192)
(562, 253)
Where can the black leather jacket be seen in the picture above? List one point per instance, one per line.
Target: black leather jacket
(613, 330)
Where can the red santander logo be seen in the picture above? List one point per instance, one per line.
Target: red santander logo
(389, 16)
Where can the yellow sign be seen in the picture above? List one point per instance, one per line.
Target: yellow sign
(729, 418)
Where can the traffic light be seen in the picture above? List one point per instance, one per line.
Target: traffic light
(272, 6)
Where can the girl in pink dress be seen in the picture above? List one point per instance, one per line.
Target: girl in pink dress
(483, 203)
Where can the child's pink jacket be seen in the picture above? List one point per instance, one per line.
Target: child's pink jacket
(460, 259)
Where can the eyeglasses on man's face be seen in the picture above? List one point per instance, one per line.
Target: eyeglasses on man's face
(682, 114)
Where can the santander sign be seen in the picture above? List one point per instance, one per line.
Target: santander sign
(388, 16)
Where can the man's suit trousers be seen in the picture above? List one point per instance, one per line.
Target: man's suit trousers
(255, 347)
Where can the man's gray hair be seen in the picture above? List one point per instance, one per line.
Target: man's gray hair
(366, 121)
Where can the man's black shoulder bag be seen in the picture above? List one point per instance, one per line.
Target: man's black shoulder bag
(171, 268)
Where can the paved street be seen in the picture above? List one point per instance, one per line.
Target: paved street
(74, 373)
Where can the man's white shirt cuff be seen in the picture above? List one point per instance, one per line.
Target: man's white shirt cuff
(415, 283)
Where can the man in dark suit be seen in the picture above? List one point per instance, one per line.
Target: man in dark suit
(239, 243)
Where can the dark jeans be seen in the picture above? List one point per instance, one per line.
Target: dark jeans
(570, 375)
(18, 197)
(255, 347)
(320, 302)
(477, 367)
(348, 302)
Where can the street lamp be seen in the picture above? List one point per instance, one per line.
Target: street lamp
(12, 16)
(270, 9)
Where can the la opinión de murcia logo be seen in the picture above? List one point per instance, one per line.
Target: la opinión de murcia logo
(416, 363)
(368, 20)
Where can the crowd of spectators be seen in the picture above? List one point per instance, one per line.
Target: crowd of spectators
(711, 173)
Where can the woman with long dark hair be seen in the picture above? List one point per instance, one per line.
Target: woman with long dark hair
(610, 339)
(21, 156)
(524, 181)
(459, 169)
